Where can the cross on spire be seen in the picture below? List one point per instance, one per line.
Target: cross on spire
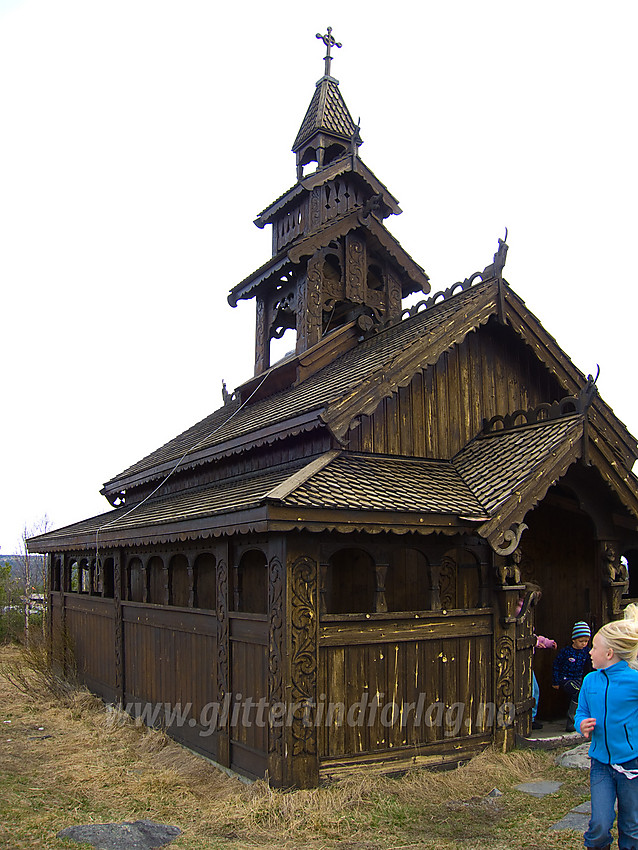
(330, 41)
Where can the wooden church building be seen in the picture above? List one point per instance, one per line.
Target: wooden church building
(325, 572)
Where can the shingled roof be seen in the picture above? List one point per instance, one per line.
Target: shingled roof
(327, 112)
(495, 479)
(355, 382)
(489, 485)
(302, 405)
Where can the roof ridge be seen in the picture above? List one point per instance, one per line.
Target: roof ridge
(302, 475)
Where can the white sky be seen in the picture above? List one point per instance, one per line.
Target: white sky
(139, 139)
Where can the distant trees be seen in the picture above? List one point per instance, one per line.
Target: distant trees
(22, 576)
(31, 569)
(10, 603)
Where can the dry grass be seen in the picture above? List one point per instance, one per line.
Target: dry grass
(67, 760)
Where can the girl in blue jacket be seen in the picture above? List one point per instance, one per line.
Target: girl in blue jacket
(608, 711)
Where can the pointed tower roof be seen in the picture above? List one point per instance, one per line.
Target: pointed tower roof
(327, 131)
(327, 113)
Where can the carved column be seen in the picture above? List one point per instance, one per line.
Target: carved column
(165, 592)
(145, 593)
(302, 765)
(380, 603)
(262, 343)
(505, 666)
(236, 588)
(118, 575)
(223, 670)
(356, 271)
(434, 589)
(323, 587)
(309, 312)
(276, 670)
(190, 569)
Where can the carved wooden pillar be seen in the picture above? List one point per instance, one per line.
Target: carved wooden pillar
(484, 557)
(356, 269)
(66, 573)
(118, 582)
(323, 587)
(507, 692)
(262, 342)
(276, 670)
(145, 577)
(394, 304)
(164, 584)
(434, 589)
(309, 311)
(237, 589)
(223, 656)
(380, 603)
(190, 569)
(302, 621)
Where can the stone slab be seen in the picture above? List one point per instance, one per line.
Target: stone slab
(538, 789)
(136, 835)
(573, 820)
(576, 757)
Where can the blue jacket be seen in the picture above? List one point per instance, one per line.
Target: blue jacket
(570, 664)
(611, 696)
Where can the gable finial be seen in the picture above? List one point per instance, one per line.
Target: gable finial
(330, 41)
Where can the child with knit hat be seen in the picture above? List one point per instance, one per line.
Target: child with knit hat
(570, 666)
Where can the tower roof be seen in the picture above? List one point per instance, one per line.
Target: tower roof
(327, 131)
(327, 113)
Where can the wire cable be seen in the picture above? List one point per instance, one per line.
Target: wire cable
(173, 470)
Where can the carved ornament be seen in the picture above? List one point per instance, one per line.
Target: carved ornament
(509, 540)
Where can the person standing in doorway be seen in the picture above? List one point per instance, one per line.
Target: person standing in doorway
(570, 666)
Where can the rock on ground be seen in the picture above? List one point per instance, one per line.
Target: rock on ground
(577, 757)
(137, 835)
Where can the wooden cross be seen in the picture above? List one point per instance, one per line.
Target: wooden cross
(329, 40)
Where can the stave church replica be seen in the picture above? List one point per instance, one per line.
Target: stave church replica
(326, 573)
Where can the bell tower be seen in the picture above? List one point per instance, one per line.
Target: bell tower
(334, 264)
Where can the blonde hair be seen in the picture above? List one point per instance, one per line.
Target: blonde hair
(621, 636)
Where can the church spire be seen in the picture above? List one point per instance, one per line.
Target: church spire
(327, 131)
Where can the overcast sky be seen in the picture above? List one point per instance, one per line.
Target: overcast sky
(139, 139)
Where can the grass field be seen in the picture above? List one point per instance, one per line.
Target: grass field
(67, 760)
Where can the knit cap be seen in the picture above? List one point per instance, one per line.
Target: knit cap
(581, 630)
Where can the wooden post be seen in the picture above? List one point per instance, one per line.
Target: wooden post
(190, 568)
(380, 603)
(118, 586)
(277, 668)
(505, 665)
(223, 655)
(302, 623)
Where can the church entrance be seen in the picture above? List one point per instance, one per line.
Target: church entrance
(560, 554)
